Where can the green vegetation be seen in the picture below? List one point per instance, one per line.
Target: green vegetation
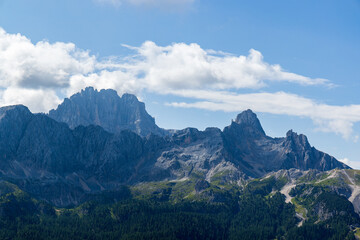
(149, 211)
(354, 174)
(313, 177)
(299, 208)
(357, 233)
(184, 190)
(260, 218)
(329, 182)
(265, 186)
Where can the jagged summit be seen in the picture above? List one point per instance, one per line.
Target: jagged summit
(298, 139)
(249, 119)
(246, 141)
(12, 118)
(247, 116)
(14, 108)
(75, 152)
(106, 109)
(129, 97)
(247, 124)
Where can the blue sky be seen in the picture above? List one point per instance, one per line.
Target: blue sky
(194, 62)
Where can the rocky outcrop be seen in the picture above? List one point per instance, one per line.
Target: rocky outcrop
(299, 154)
(248, 125)
(257, 154)
(106, 109)
(13, 122)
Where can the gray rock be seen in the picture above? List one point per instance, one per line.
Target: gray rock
(106, 109)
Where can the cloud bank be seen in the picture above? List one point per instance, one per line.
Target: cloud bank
(40, 74)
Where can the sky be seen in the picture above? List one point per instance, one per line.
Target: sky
(195, 63)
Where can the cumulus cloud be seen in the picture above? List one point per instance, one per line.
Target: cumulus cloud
(31, 73)
(188, 66)
(40, 65)
(40, 74)
(38, 100)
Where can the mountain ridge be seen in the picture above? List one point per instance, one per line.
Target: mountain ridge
(106, 109)
(41, 154)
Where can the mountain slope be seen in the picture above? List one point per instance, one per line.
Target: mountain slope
(302, 188)
(118, 215)
(247, 144)
(236, 182)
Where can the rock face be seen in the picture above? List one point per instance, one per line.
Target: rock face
(258, 154)
(299, 154)
(13, 122)
(63, 164)
(108, 110)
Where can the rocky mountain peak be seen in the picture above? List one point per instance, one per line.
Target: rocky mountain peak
(298, 140)
(14, 116)
(106, 109)
(13, 121)
(130, 98)
(247, 116)
(14, 110)
(90, 93)
(249, 121)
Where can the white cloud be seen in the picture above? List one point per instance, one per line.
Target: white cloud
(31, 73)
(40, 65)
(36, 99)
(328, 118)
(345, 160)
(122, 82)
(39, 75)
(352, 164)
(188, 66)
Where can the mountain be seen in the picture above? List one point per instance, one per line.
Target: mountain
(63, 164)
(106, 109)
(200, 176)
(244, 141)
(317, 196)
(247, 144)
(306, 189)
